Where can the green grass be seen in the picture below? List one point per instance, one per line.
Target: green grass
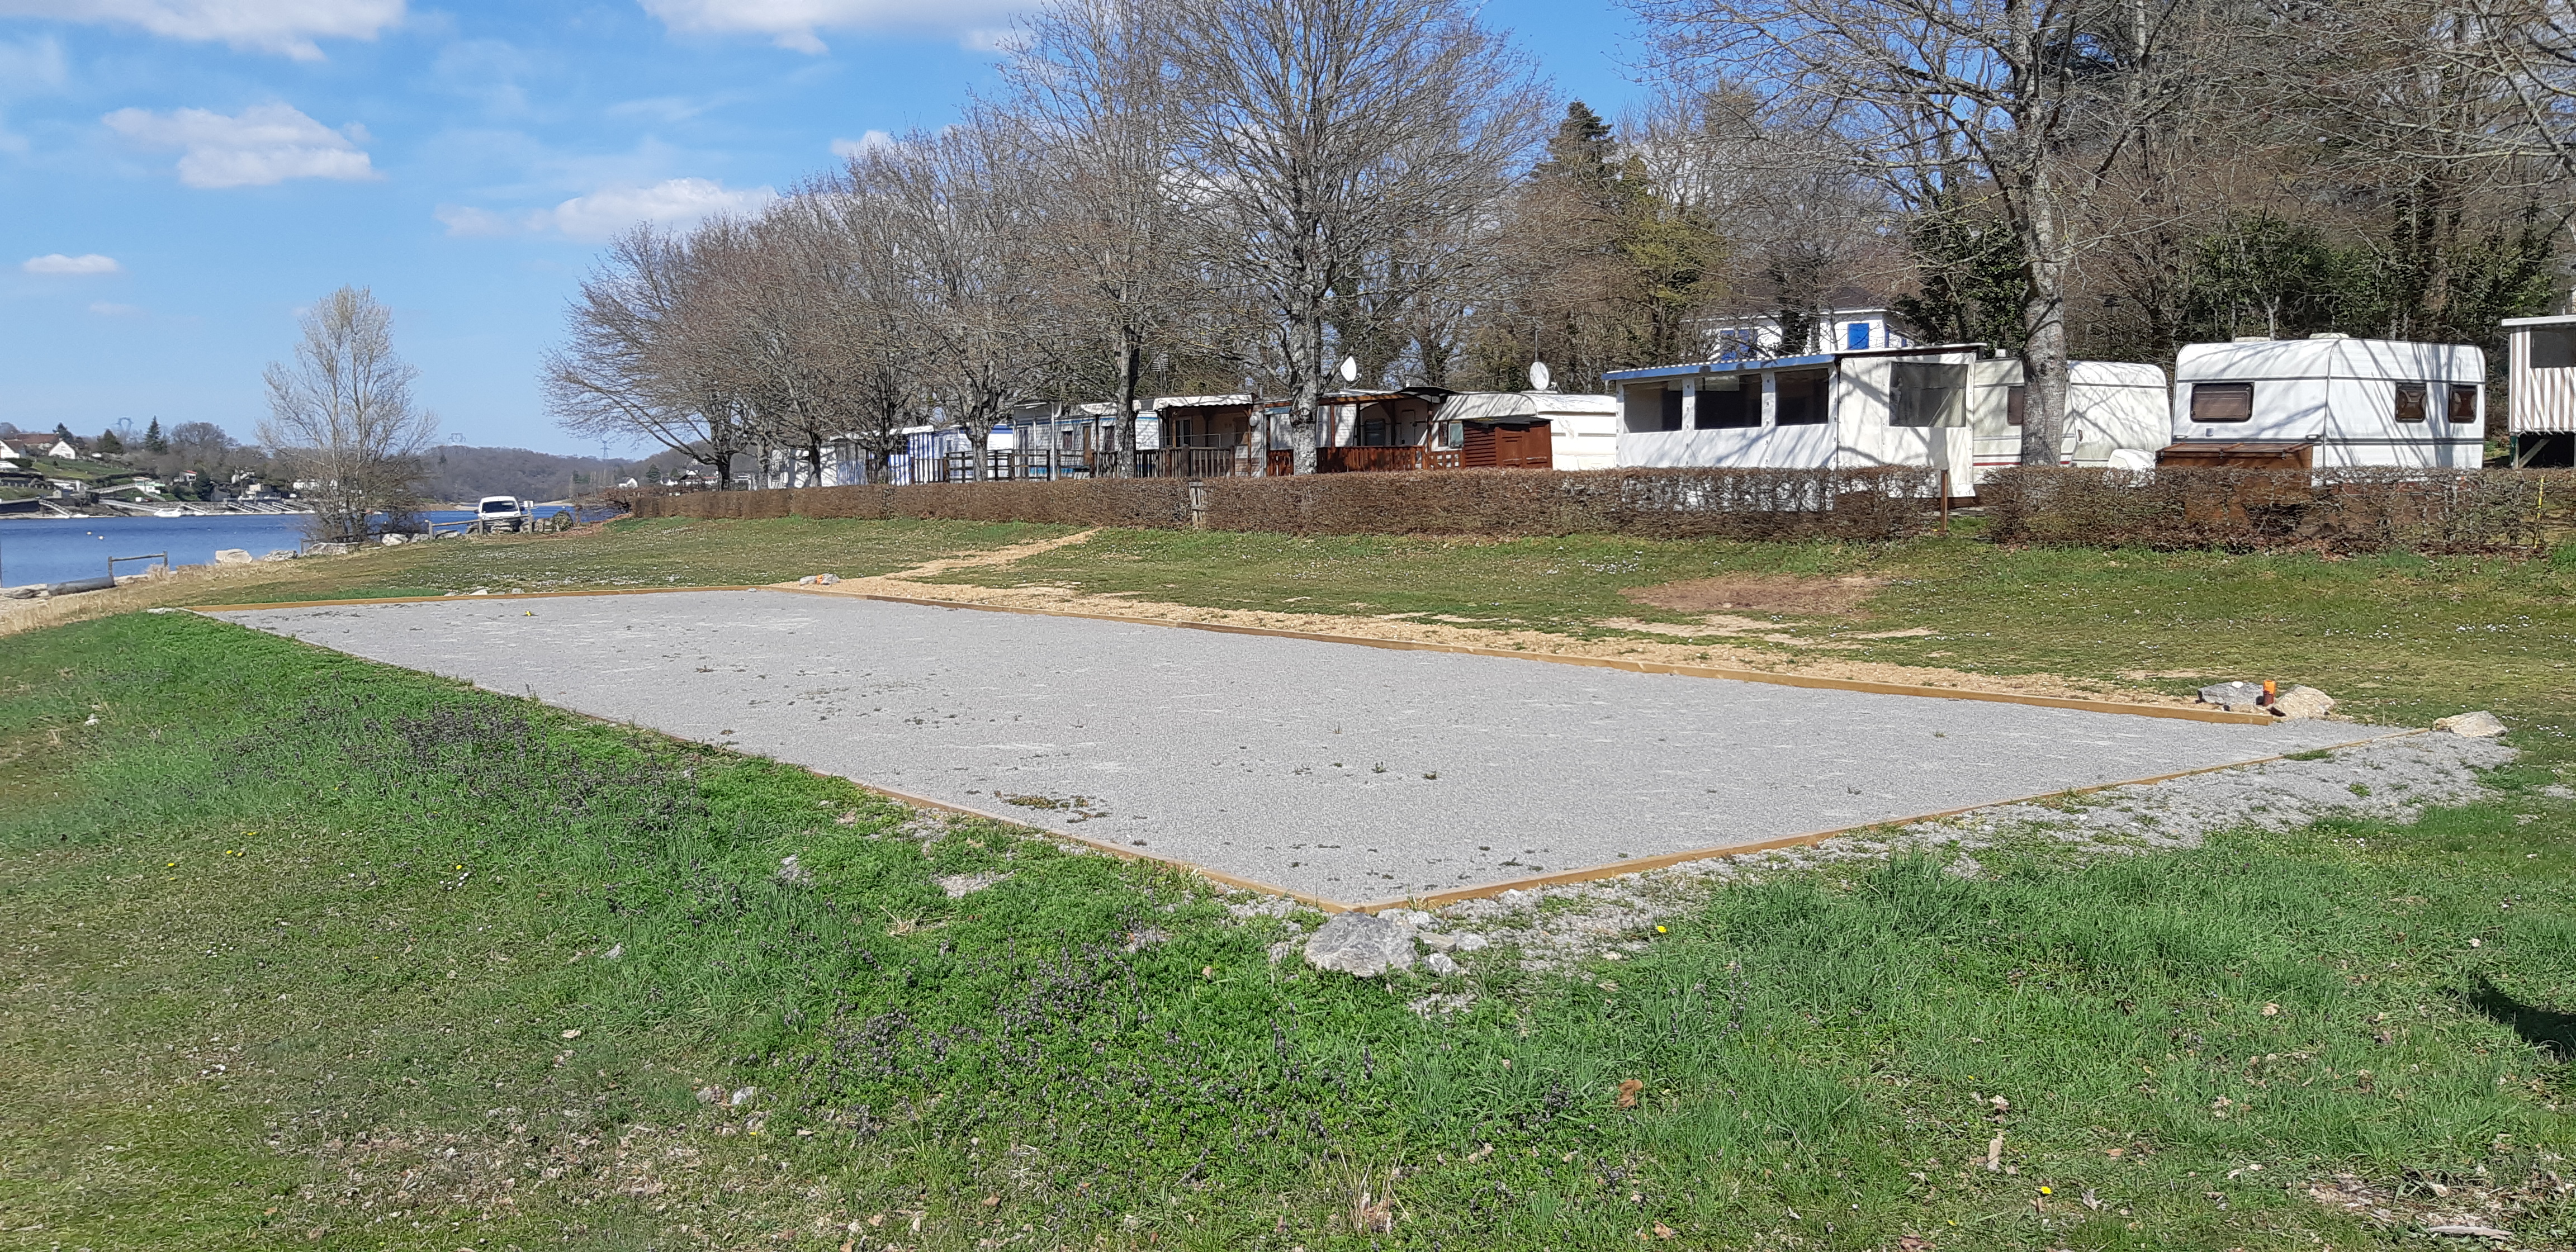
(378, 901)
(629, 553)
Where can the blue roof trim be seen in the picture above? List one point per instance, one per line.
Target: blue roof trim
(1720, 367)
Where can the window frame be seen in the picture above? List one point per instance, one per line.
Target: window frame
(2451, 404)
(2218, 388)
(2415, 397)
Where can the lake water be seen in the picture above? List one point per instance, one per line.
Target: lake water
(52, 549)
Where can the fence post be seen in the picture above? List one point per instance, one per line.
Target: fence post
(1198, 505)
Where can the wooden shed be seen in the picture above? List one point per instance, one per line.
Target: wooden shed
(1525, 444)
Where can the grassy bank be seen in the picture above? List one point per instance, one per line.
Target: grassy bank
(313, 953)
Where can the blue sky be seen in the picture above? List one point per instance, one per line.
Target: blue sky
(181, 176)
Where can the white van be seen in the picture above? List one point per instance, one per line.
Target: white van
(504, 513)
(2356, 401)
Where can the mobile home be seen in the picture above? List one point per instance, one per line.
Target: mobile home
(2540, 384)
(2335, 400)
(1948, 407)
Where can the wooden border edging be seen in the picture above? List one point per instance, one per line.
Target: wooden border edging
(2179, 712)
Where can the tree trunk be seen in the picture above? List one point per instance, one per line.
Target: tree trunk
(2043, 319)
(1309, 395)
(1130, 361)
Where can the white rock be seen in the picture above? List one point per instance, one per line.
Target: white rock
(393, 541)
(232, 556)
(826, 580)
(2478, 725)
(1439, 963)
(1473, 943)
(806, 581)
(2231, 693)
(2303, 702)
(1360, 945)
(280, 554)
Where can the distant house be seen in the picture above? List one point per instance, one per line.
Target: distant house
(62, 450)
(10, 454)
(1852, 327)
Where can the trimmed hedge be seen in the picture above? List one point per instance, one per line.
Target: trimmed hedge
(2334, 510)
(1865, 504)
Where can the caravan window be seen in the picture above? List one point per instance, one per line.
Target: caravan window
(1737, 406)
(2222, 402)
(1802, 398)
(2463, 409)
(2016, 404)
(1927, 393)
(2410, 402)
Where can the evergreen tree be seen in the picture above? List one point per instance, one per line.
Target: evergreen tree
(108, 444)
(153, 440)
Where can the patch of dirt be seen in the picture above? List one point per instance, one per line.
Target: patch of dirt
(1759, 593)
(1714, 626)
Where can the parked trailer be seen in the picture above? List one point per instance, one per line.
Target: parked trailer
(1945, 407)
(2356, 401)
(2540, 386)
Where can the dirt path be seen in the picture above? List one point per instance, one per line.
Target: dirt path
(907, 584)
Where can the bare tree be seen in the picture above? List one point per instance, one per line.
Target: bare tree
(2026, 101)
(341, 417)
(959, 206)
(639, 365)
(1317, 135)
(1092, 101)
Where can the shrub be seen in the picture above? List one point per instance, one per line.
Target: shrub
(2354, 509)
(1866, 504)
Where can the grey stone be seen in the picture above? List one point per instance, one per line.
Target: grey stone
(280, 554)
(1360, 945)
(1440, 964)
(2303, 702)
(826, 580)
(806, 581)
(331, 549)
(1439, 943)
(790, 870)
(395, 541)
(2231, 693)
(232, 556)
(2478, 725)
(1473, 943)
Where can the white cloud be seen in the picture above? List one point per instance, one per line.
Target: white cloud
(288, 27)
(792, 23)
(57, 263)
(873, 141)
(267, 143)
(605, 212)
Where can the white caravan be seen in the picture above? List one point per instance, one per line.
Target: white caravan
(1947, 407)
(2354, 401)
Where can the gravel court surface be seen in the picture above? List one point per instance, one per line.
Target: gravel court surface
(1348, 773)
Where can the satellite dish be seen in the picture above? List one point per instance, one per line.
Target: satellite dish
(1350, 369)
(1539, 376)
